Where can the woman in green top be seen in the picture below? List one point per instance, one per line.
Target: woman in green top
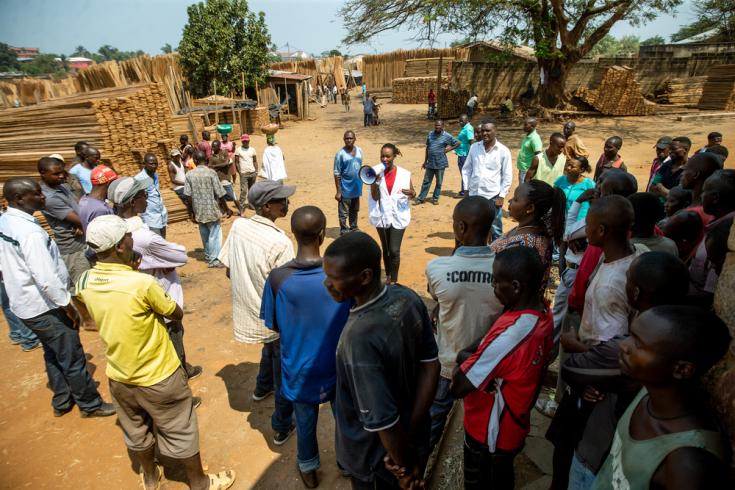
(666, 438)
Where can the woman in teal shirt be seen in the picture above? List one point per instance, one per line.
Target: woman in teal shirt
(574, 183)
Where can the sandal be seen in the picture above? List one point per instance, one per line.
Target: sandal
(222, 480)
(547, 407)
(158, 482)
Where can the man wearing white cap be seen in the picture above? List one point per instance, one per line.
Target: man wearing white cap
(36, 281)
(246, 161)
(147, 382)
(177, 172)
(254, 247)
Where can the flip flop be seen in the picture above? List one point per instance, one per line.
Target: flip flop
(160, 476)
(222, 480)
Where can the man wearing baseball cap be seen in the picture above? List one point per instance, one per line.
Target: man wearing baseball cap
(177, 173)
(93, 204)
(662, 155)
(147, 382)
(246, 161)
(254, 247)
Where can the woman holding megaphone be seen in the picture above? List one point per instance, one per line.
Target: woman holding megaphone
(389, 208)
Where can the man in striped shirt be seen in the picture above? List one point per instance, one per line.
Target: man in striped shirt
(500, 376)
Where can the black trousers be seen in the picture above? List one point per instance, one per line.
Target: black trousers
(486, 470)
(382, 480)
(176, 332)
(390, 242)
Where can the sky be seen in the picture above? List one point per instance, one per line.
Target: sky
(129, 25)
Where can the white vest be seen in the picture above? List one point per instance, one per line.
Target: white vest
(393, 209)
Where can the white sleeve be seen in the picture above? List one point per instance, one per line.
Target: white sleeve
(506, 174)
(571, 223)
(43, 270)
(468, 167)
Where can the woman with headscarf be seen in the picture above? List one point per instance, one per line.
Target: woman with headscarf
(274, 163)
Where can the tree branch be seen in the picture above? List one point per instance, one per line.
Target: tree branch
(588, 14)
(603, 29)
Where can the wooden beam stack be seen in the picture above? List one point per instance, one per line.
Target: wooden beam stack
(617, 94)
(719, 89)
(681, 90)
(413, 90)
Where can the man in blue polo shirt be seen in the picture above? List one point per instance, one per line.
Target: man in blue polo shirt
(298, 306)
(438, 144)
(347, 163)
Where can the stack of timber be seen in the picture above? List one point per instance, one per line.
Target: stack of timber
(452, 103)
(424, 67)
(413, 90)
(27, 91)
(681, 91)
(719, 89)
(618, 93)
(123, 123)
(379, 71)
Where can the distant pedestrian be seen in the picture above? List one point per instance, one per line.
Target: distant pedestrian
(156, 214)
(221, 163)
(334, 93)
(466, 137)
(205, 202)
(205, 145)
(298, 306)
(438, 144)
(246, 163)
(347, 163)
(274, 161)
(471, 105)
(531, 148)
(187, 152)
(432, 104)
(36, 281)
(368, 107)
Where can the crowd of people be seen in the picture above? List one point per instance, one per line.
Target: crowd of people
(631, 320)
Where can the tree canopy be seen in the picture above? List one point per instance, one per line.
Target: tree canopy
(611, 46)
(222, 41)
(715, 16)
(561, 31)
(106, 53)
(43, 64)
(8, 59)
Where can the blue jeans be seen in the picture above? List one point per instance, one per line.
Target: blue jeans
(211, 234)
(18, 332)
(368, 120)
(66, 364)
(429, 174)
(521, 176)
(497, 227)
(460, 164)
(269, 379)
(307, 447)
(443, 403)
(580, 477)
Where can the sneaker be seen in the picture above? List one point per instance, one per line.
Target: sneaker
(546, 407)
(280, 438)
(418, 201)
(222, 480)
(216, 265)
(105, 410)
(33, 347)
(261, 395)
(435, 201)
(196, 401)
(194, 372)
(61, 413)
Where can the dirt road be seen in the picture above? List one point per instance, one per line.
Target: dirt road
(43, 452)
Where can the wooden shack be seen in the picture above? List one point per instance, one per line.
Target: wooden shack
(292, 91)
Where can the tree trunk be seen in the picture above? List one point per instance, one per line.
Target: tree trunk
(551, 94)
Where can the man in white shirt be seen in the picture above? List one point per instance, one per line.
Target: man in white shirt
(246, 162)
(37, 284)
(254, 247)
(471, 104)
(462, 285)
(488, 171)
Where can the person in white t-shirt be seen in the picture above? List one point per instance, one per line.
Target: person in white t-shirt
(389, 209)
(274, 163)
(607, 311)
(246, 162)
(462, 286)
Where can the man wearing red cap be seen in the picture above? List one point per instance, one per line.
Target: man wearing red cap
(93, 204)
(246, 161)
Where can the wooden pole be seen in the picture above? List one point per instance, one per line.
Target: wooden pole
(242, 78)
(439, 86)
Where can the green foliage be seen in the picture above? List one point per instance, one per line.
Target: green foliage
(712, 15)
(610, 46)
(167, 48)
(222, 41)
(43, 64)
(8, 59)
(652, 41)
(106, 53)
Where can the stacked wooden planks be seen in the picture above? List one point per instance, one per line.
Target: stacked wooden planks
(618, 93)
(123, 123)
(452, 103)
(681, 90)
(379, 70)
(719, 89)
(413, 90)
(422, 67)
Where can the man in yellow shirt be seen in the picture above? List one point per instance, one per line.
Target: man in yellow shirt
(147, 383)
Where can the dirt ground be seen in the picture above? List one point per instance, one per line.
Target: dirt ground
(43, 452)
